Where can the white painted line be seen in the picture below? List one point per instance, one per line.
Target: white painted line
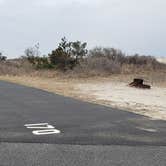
(39, 126)
(36, 124)
(46, 132)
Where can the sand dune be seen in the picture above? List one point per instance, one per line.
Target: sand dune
(162, 60)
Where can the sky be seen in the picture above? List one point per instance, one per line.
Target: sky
(134, 26)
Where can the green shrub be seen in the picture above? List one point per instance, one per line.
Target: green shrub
(68, 54)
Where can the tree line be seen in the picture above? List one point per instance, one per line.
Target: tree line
(71, 55)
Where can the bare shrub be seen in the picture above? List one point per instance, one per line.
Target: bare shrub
(148, 61)
(104, 61)
(98, 65)
(112, 54)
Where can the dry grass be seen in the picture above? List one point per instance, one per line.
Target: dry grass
(58, 86)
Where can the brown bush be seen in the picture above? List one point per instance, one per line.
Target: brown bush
(15, 67)
(104, 61)
(99, 62)
(97, 66)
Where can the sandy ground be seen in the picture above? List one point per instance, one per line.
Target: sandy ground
(151, 103)
(162, 60)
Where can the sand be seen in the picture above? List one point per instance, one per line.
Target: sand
(151, 103)
(161, 60)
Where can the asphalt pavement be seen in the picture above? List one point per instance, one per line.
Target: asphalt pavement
(41, 128)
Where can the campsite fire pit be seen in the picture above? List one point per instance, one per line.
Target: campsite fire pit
(138, 83)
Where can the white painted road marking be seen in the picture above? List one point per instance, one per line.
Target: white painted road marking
(46, 129)
(39, 126)
(46, 132)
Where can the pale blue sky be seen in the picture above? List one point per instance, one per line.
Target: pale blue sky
(134, 26)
